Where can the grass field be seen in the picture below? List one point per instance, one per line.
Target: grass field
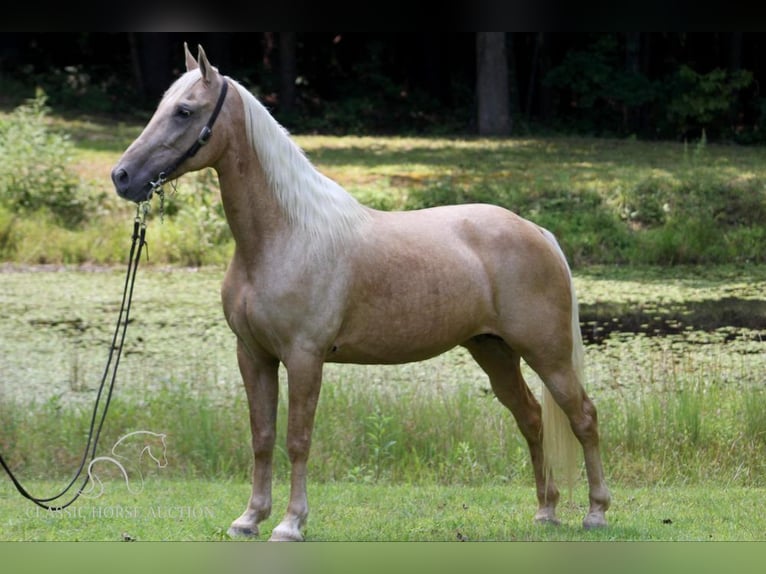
(184, 510)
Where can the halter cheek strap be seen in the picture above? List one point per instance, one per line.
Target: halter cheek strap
(202, 139)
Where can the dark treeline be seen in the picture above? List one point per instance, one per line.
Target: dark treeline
(648, 85)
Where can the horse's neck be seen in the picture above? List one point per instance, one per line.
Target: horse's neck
(273, 199)
(252, 210)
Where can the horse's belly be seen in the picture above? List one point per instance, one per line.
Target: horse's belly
(385, 353)
(411, 326)
(412, 297)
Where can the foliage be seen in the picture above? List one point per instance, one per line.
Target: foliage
(380, 106)
(607, 201)
(698, 101)
(653, 85)
(658, 220)
(34, 172)
(195, 231)
(600, 86)
(598, 94)
(93, 88)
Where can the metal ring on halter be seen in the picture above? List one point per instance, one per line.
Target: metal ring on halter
(142, 210)
(156, 185)
(144, 206)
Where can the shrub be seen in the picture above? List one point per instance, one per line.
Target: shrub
(647, 203)
(698, 101)
(34, 173)
(195, 231)
(599, 91)
(7, 233)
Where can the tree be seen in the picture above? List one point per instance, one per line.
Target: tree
(494, 116)
(287, 71)
(151, 62)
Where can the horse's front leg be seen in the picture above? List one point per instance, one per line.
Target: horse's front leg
(304, 378)
(260, 376)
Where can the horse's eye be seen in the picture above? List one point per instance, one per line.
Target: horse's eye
(183, 112)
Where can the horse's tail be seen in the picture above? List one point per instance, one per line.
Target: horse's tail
(560, 446)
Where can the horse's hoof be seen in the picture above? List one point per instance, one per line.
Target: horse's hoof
(547, 518)
(594, 520)
(242, 531)
(285, 534)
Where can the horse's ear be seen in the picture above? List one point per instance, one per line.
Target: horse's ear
(191, 63)
(204, 65)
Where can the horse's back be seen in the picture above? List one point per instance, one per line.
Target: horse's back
(470, 240)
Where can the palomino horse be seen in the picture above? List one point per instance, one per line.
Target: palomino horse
(318, 277)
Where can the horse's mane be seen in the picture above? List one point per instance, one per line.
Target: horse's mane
(312, 202)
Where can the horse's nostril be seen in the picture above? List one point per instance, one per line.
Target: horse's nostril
(121, 179)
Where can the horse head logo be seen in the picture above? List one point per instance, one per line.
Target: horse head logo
(128, 455)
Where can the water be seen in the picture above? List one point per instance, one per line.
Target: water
(600, 320)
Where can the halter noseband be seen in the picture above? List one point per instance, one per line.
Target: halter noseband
(202, 139)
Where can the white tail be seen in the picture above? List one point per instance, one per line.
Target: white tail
(560, 446)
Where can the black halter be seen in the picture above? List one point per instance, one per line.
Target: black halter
(202, 139)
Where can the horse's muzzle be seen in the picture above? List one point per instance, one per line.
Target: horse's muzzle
(126, 189)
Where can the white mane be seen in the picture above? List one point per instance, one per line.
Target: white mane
(312, 202)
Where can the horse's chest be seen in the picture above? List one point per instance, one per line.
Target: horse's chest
(274, 317)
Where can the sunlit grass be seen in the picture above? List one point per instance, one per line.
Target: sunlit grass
(609, 201)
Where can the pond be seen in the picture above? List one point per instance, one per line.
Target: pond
(730, 314)
(643, 328)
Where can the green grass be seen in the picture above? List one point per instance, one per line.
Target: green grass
(179, 510)
(455, 436)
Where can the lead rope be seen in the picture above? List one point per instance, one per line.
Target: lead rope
(115, 352)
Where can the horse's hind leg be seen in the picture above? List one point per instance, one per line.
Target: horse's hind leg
(502, 365)
(562, 380)
(569, 394)
(260, 376)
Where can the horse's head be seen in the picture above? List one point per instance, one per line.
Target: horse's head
(159, 454)
(180, 136)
